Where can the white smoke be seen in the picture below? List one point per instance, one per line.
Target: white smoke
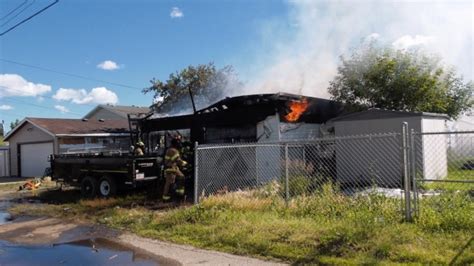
(305, 48)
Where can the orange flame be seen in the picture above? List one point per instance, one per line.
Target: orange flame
(297, 109)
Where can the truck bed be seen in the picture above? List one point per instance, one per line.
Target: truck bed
(126, 170)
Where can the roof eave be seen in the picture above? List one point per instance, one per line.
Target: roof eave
(20, 125)
(118, 134)
(350, 116)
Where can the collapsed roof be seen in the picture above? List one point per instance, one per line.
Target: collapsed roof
(248, 109)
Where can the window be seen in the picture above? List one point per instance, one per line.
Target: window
(94, 144)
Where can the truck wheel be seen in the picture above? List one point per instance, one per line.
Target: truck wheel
(89, 187)
(107, 187)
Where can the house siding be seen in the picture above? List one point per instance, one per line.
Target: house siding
(105, 114)
(4, 161)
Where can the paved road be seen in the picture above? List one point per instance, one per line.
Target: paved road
(188, 255)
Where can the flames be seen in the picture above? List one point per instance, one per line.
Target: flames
(297, 109)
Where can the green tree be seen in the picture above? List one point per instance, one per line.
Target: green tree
(13, 124)
(207, 83)
(406, 80)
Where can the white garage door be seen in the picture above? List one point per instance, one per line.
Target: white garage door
(34, 158)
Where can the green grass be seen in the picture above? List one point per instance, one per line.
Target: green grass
(326, 227)
(10, 187)
(455, 174)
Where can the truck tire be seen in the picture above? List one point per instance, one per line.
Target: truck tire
(88, 187)
(107, 187)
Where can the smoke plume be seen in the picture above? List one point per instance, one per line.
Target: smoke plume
(305, 49)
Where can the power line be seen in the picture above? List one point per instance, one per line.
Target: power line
(15, 9)
(70, 74)
(17, 14)
(44, 96)
(28, 18)
(38, 106)
(15, 115)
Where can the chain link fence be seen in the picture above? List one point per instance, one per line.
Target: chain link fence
(402, 166)
(442, 164)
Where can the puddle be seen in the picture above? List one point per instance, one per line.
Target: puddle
(4, 216)
(84, 252)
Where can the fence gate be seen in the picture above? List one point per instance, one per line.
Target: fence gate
(442, 163)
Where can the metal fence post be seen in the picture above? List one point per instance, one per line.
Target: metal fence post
(196, 171)
(413, 170)
(287, 185)
(406, 173)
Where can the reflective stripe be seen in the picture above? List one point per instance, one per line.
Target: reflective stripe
(171, 170)
(172, 158)
(180, 191)
(166, 197)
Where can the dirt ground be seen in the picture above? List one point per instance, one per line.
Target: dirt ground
(41, 230)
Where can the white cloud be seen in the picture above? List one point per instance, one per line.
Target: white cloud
(108, 65)
(176, 13)
(16, 85)
(61, 108)
(5, 107)
(99, 95)
(408, 41)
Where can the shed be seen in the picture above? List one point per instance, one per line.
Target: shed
(353, 155)
(34, 139)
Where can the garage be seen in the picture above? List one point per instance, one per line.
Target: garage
(34, 139)
(34, 158)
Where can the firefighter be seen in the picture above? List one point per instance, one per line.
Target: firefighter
(139, 148)
(173, 163)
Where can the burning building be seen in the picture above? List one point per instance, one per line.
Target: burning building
(269, 119)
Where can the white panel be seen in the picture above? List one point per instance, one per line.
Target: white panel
(268, 130)
(435, 147)
(34, 158)
(268, 159)
(299, 131)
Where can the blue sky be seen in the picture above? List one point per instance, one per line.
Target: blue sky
(274, 45)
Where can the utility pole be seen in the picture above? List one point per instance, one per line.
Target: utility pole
(192, 99)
